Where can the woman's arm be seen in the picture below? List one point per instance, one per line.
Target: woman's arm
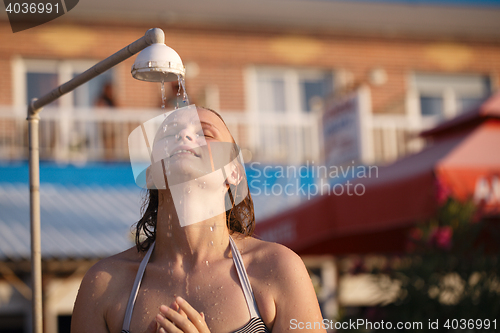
(88, 313)
(296, 303)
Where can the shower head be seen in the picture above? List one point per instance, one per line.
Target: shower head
(158, 62)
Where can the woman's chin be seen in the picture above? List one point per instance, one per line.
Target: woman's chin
(184, 171)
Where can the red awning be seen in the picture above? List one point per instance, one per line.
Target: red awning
(464, 156)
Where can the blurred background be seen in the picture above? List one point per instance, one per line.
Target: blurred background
(396, 96)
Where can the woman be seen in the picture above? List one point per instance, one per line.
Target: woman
(196, 280)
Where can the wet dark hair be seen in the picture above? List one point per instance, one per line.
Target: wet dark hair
(240, 218)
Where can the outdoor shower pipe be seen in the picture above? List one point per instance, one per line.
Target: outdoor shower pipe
(152, 36)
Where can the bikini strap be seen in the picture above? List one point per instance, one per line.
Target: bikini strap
(135, 290)
(245, 283)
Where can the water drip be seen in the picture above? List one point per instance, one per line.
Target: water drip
(163, 94)
(185, 98)
(178, 91)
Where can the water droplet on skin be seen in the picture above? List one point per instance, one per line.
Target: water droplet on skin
(207, 263)
(188, 189)
(202, 185)
(215, 304)
(211, 228)
(165, 128)
(169, 234)
(169, 217)
(221, 287)
(212, 243)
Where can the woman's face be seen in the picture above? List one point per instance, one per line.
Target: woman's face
(192, 143)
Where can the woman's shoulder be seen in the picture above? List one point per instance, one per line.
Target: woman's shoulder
(110, 271)
(270, 259)
(279, 280)
(103, 289)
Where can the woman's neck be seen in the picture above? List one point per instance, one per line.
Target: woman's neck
(191, 227)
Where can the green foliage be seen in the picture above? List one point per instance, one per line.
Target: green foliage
(451, 271)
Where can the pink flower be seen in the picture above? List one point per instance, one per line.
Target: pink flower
(442, 191)
(441, 237)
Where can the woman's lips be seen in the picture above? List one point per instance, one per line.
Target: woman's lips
(184, 150)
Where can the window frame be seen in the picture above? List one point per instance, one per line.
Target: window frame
(450, 94)
(65, 70)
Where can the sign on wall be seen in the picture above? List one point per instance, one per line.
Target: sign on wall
(345, 130)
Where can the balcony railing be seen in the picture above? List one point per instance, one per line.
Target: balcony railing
(82, 135)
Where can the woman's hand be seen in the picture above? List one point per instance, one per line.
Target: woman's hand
(180, 317)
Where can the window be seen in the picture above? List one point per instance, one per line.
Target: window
(12, 323)
(446, 95)
(38, 77)
(285, 90)
(286, 104)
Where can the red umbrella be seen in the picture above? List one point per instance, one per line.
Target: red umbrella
(463, 157)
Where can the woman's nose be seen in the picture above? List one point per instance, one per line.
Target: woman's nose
(186, 134)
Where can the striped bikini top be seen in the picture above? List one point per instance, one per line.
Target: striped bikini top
(255, 325)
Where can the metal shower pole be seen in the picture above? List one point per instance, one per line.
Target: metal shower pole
(152, 36)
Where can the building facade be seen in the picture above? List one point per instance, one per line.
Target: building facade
(271, 76)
